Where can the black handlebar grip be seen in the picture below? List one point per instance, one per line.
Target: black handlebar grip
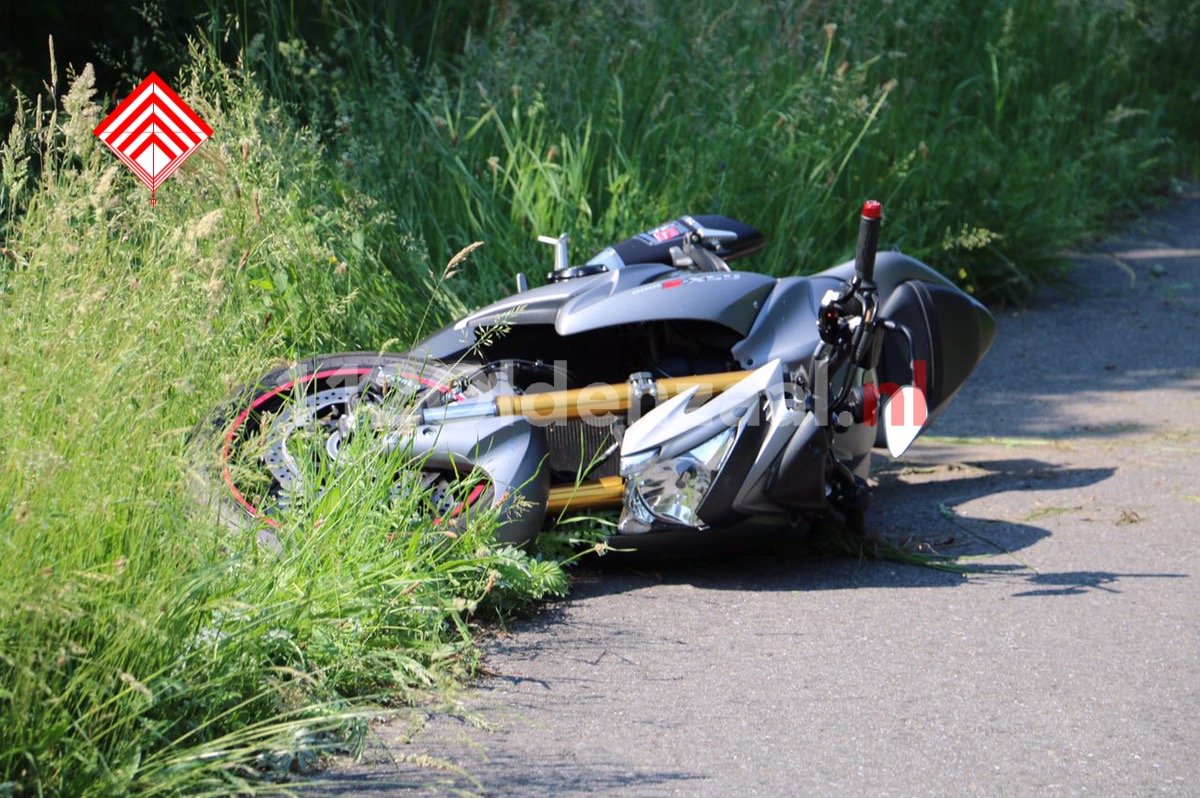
(868, 241)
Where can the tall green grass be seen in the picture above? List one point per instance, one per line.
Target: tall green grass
(143, 647)
(997, 133)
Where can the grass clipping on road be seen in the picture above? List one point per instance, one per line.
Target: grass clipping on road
(142, 646)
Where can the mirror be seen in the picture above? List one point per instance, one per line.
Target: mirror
(903, 415)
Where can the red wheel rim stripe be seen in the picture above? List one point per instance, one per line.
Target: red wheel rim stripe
(258, 402)
(476, 492)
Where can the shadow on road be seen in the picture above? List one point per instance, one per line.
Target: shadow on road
(1073, 583)
(791, 568)
(914, 508)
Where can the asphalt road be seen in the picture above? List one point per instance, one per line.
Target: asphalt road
(1070, 464)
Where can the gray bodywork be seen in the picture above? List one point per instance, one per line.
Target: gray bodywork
(776, 317)
(509, 450)
(766, 472)
(786, 329)
(632, 294)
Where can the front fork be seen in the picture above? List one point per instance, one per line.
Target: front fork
(597, 401)
(591, 403)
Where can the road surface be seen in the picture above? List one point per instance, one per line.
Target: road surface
(1070, 465)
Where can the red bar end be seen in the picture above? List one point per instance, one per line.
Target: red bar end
(872, 209)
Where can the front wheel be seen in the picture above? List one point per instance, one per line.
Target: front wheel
(262, 449)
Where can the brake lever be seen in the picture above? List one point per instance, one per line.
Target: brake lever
(701, 257)
(709, 235)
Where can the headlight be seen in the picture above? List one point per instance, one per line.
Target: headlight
(672, 489)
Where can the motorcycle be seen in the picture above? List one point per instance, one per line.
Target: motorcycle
(653, 378)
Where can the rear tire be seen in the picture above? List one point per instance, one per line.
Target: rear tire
(245, 470)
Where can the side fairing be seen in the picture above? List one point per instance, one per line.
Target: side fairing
(786, 329)
(952, 330)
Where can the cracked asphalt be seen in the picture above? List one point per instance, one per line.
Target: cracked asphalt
(1069, 467)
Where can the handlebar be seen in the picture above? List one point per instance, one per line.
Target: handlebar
(842, 340)
(868, 242)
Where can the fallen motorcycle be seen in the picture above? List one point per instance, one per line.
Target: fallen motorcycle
(652, 378)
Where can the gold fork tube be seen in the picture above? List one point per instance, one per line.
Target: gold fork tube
(604, 492)
(603, 398)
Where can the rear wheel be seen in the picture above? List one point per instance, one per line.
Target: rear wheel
(265, 446)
